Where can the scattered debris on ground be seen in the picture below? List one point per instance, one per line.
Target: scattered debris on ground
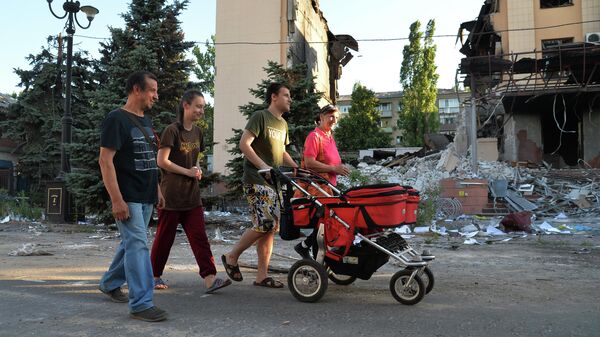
(513, 187)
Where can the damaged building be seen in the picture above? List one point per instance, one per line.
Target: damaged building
(251, 33)
(534, 70)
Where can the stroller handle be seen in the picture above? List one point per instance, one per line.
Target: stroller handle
(272, 175)
(296, 177)
(285, 173)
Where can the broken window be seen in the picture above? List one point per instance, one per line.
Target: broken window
(546, 44)
(555, 3)
(550, 50)
(495, 6)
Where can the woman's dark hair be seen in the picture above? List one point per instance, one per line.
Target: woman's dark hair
(329, 108)
(188, 97)
(138, 78)
(273, 88)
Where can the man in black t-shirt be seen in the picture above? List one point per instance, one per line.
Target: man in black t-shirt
(130, 175)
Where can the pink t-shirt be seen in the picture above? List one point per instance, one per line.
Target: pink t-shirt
(331, 156)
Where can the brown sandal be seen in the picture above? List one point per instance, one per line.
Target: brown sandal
(232, 271)
(269, 282)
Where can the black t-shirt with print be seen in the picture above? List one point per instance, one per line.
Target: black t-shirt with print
(135, 159)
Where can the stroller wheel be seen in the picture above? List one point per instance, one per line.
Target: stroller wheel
(340, 279)
(427, 278)
(405, 292)
(307, 280)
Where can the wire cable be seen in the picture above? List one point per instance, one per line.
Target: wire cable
(393, 39)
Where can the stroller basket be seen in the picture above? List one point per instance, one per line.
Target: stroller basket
(361, 261)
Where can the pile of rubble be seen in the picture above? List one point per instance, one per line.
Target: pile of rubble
(545, 191)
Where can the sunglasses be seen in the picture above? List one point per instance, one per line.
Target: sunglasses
(327, 108)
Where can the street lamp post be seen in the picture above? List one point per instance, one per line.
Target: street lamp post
(58, 203)
(71, 9)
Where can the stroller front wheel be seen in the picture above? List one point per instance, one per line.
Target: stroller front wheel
(428, 274)
(405, 290)
(307, 280)
(427, 278)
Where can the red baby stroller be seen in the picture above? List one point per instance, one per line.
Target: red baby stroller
(355, 235)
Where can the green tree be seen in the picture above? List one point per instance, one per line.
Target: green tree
(418, 77)
(300, 120)
(151, 40)
(34, 121)
(205, 72)
(205, 69)
(360, 129)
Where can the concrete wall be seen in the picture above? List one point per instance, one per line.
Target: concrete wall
(521, 16)
(523, 138)
(591, 145)
(500, 23)
(547, 17)
(239, 67)
(528, 14)
(312, 27)
(590, 10)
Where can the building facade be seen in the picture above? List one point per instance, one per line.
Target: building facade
(450, 104)
(252, 32)
(541, 60)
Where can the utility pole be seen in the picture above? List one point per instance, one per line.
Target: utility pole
(473, 126)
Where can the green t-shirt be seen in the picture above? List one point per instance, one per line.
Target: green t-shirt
(271, 138)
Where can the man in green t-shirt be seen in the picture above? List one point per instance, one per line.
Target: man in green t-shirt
(263, 145)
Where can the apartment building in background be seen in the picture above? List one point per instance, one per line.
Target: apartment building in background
(540, 59)
(250, 33)
(450, 105)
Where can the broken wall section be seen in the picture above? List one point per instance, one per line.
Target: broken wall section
(591, 135)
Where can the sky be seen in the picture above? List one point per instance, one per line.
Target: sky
(26, 24)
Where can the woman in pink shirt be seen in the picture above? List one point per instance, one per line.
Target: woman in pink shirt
(321, 155)
(320, 151)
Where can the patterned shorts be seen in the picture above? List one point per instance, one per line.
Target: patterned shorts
(264, 207)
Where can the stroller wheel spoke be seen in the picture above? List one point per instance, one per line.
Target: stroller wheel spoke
(407, 287)
(307, 280)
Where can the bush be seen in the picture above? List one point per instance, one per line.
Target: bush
(20, 206)
(427, 207)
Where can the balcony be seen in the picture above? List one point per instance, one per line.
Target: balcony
(386, 113)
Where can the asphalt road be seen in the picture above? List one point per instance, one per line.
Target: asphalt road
(525, 287)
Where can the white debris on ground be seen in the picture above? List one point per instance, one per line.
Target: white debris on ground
(29, 249)
(216, 213)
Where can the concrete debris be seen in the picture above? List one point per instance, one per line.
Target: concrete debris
(545, 191)
(29, 249)
(471, 241)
